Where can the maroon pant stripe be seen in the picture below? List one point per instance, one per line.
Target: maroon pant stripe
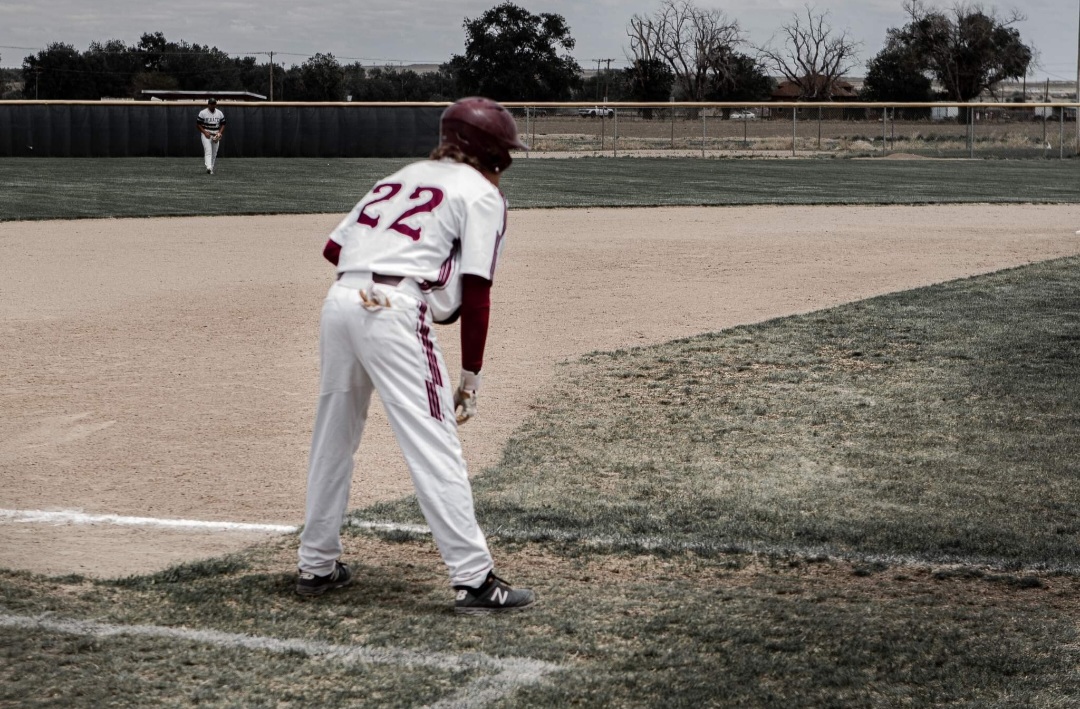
(433, 401)
(436, 381)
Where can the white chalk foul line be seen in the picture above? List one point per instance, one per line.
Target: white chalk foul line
(648, 544)
(76, 517)
(507, 673)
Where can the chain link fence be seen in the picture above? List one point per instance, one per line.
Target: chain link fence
(858, 130)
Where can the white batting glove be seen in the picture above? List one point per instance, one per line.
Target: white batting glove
(465, 396)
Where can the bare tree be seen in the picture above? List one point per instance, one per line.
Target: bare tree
(814, 55)
(697, 44)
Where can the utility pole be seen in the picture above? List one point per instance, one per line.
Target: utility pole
(1077, 109)
(271, 76)
(598, 78)
(607, 78)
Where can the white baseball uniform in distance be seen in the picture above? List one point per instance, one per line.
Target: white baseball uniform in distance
(428, 222)
(211, 120)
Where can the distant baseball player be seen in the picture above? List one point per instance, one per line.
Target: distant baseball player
(211, 124)
(420, 248)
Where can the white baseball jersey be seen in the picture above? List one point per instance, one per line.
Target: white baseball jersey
(211, 120)
(432, 221)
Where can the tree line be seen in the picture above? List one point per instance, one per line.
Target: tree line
(680, 51)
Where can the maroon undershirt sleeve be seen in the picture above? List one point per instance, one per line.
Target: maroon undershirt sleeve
(332, 251)
(475, 311)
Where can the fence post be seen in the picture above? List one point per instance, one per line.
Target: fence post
(1061, 134)
(527, 126)
(884, 129)
(615, 133)
(703, 132)
(673, 123)
(819, 127)
(794, 111)
(971, 131)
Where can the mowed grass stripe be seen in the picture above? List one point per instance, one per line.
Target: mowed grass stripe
(72, 188)
(940, 424)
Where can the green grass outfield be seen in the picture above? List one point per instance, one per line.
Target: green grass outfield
(129, 187)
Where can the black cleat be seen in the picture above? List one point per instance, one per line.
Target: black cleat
(308, 584)
(493, 596)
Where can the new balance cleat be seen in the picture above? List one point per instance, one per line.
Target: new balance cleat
(493, 596)
(308, 584)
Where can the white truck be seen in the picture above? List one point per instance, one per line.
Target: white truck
(596, 111)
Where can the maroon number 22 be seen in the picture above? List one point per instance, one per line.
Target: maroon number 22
(388, 190)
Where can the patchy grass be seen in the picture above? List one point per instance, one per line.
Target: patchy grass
(941, 424)
(627, 631)
(73, 188)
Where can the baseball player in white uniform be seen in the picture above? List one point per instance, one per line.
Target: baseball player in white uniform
(420, 248)
(211, 125)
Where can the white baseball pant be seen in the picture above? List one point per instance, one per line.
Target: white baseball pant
(209, 149)
(391, 350)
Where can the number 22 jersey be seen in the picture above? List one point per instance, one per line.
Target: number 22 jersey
(432, 221)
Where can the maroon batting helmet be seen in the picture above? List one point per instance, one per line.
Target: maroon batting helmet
(482, 129)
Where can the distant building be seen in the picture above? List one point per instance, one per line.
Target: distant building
(842, 90)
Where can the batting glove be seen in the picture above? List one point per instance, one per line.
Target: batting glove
(465, 396)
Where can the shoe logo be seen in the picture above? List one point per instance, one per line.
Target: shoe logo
(307, 576)
(462, 595)
(500, 595)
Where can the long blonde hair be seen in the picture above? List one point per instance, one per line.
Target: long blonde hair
(453, 152)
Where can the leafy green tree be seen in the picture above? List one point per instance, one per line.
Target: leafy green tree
(10, 84)
(392, 84)
(649, 80)
(291, 86)
(58, 72)
(895, 74)
(322, 79)
(744, 80)
(966, 49)
(254, 77)
(514, 55)
(112, 66)
(193, 66)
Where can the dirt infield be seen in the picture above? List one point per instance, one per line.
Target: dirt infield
(168, 368)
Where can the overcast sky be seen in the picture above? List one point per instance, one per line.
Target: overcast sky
(430, 31)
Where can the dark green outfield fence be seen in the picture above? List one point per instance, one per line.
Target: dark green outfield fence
(159, 129)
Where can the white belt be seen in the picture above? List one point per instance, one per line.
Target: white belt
(362, 279)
